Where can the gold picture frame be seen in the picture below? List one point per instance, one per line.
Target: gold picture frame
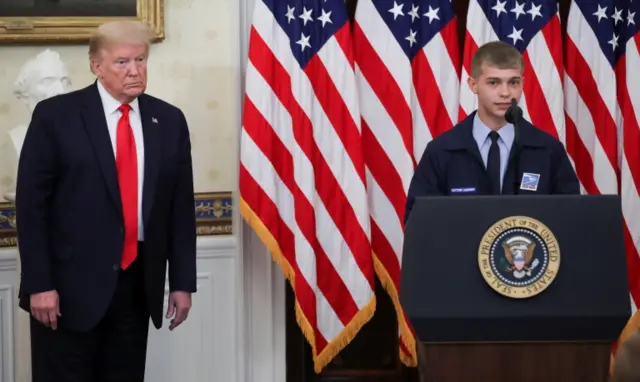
(70, 29)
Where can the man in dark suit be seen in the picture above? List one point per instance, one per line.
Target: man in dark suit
(477, 157)
(105, 199)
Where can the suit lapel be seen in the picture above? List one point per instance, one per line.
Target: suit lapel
(95, 124)
(151, 130)
(462, 139)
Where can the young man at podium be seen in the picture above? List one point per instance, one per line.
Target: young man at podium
(494, 150)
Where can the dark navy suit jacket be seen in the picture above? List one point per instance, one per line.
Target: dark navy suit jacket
(452, 165)
(70, 224)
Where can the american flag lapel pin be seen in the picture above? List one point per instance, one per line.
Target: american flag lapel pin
(154, 120)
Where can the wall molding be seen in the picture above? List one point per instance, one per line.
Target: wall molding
(221, 246)
(8, 260)
(207, 247)
(214, 216)
(7, 369)
(217, 325)
(263, 282)
(264, 291)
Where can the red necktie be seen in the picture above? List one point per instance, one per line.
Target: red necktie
(127, 166)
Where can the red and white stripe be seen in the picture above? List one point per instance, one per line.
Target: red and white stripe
(404, 105)
(302, 180)
(629, 100)
(591, 108)
(603, 110)
(541, 100)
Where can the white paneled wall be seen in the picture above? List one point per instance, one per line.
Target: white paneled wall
(205, 347)
(234, 333)
(8, 305)
(236, 329)
(264, 283)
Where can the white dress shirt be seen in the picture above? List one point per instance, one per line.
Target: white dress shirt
(112, 114)
(481, 136)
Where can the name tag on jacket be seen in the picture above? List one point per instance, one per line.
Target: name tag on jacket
(463, 190)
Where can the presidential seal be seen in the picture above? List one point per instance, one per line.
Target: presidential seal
(519, 257)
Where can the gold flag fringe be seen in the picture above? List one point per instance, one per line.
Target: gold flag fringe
(347, 334)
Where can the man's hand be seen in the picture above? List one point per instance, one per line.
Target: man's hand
(179, 306)
(45, 307)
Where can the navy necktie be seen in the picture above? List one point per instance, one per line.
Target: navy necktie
(493, 163)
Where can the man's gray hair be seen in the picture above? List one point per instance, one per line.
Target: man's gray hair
(119, 32)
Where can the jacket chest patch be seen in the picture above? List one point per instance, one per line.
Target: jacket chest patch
(529, 181)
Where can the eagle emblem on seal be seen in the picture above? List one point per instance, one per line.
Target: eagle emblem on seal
(518, 251)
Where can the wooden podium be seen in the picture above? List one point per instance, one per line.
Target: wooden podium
(515, 288)
(508, 362)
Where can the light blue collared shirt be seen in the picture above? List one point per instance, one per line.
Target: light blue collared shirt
(481, 136)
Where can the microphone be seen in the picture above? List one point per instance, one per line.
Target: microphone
(513, 115)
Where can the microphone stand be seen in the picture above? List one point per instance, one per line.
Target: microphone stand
(513, 116)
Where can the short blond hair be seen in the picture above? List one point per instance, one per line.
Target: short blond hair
(626, 366)
(119, 32)
(496, 54)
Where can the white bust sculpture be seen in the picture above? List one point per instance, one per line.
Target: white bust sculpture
(42, 77)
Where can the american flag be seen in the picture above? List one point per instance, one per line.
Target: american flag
(302, 173)
(533, 27)
(407, 68)
(629, 99)
(603, 106)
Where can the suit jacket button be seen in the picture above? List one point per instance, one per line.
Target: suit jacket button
(116, 267)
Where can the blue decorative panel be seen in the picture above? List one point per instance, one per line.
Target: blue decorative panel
(214, 213)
